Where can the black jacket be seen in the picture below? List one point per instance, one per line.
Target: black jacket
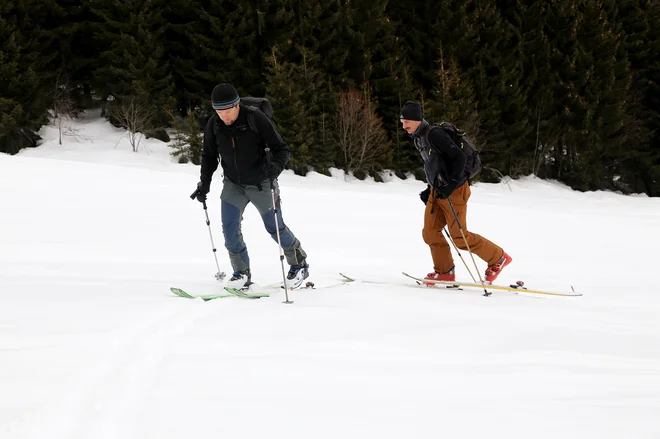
(444, 161)
(240, 150)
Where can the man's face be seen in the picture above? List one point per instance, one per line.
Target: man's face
(410, 125)
(229, 115)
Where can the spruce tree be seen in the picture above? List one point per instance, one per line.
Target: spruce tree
(131, 62)
(489, 54)
(226, 49)
(285, 87)
(22, 107)
(641, 26)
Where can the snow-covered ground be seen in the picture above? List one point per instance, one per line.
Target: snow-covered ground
(94, 346)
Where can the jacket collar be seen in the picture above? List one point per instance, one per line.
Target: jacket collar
(240, 122)
(421, 129)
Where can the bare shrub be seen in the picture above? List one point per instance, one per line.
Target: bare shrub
(359, 132)
(136, 114)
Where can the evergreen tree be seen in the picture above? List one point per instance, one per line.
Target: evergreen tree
(22, 107)
(285, 87)
(63, 46)
(551, 55)
(379, 63)
(416, 24)
(641, 26)
(540, 79)
(131, 63)
(607, 88)
(489, 53)
(220, 45)
(404, 156)
(185, 54)
(453, 97)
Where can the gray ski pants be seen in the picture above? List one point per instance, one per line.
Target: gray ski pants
(234, 199)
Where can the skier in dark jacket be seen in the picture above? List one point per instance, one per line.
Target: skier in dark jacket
(451, 182)
(248, 175)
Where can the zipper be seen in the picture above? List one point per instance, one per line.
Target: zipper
(233, 145)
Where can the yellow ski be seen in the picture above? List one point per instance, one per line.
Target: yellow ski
(514, 288)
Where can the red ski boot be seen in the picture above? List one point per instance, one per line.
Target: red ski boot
(494, 270)
(449, 276)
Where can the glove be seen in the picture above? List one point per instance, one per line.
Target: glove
(272, 170)
(445, 191)
(202, 190)
(424, 195)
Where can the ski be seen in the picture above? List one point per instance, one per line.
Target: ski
(245, 294)
(518, 287)
(233, 292)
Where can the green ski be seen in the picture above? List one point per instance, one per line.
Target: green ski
(233, 292)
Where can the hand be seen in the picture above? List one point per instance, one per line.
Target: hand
(424, 195)
(202, 190)
(445, 191)
(272, 170)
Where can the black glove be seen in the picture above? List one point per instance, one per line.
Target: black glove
(272, 170)
(202, 190)
(424, 195)
(445, 191)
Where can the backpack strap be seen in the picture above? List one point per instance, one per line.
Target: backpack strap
(427, 136)
(252, 124)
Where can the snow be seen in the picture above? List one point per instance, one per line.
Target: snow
(93, 344)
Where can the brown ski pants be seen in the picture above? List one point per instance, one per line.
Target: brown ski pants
(438, 214)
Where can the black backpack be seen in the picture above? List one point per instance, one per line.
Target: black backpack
(251, 105)
(262, 104)
(473, 163)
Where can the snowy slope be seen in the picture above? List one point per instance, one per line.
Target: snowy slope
(93, 345)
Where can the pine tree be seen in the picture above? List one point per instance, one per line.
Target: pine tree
(489, 54)
(540, 80)
(225, 38)
(22, 107)
(131, 63)
(453, 97)
(551, 55)
(185, 54)
(416, 26)
(285, 93)
(641, 26)
(63, 46)
(598, 85)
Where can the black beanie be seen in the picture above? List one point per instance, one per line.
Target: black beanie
(411, 110)
(224, 96)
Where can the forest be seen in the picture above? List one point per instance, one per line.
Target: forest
(567, 90)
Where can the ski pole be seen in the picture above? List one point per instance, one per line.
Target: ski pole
(444, 229)
(220, 274)
(277, 229)
(460, 227)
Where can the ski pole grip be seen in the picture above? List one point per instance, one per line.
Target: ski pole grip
(194, 194)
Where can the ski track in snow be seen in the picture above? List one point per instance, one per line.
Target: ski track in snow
(107, 402)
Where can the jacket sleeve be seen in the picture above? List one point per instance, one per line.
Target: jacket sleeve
(441, 141)
(279, 150)
(210, 153)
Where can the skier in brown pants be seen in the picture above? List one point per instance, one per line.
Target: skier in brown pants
(446, 199)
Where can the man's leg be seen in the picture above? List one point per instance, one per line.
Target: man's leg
(434, 221)
(234, 201)
(479, 245)
(263, 201)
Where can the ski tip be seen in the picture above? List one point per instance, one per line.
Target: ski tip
(348, 278)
